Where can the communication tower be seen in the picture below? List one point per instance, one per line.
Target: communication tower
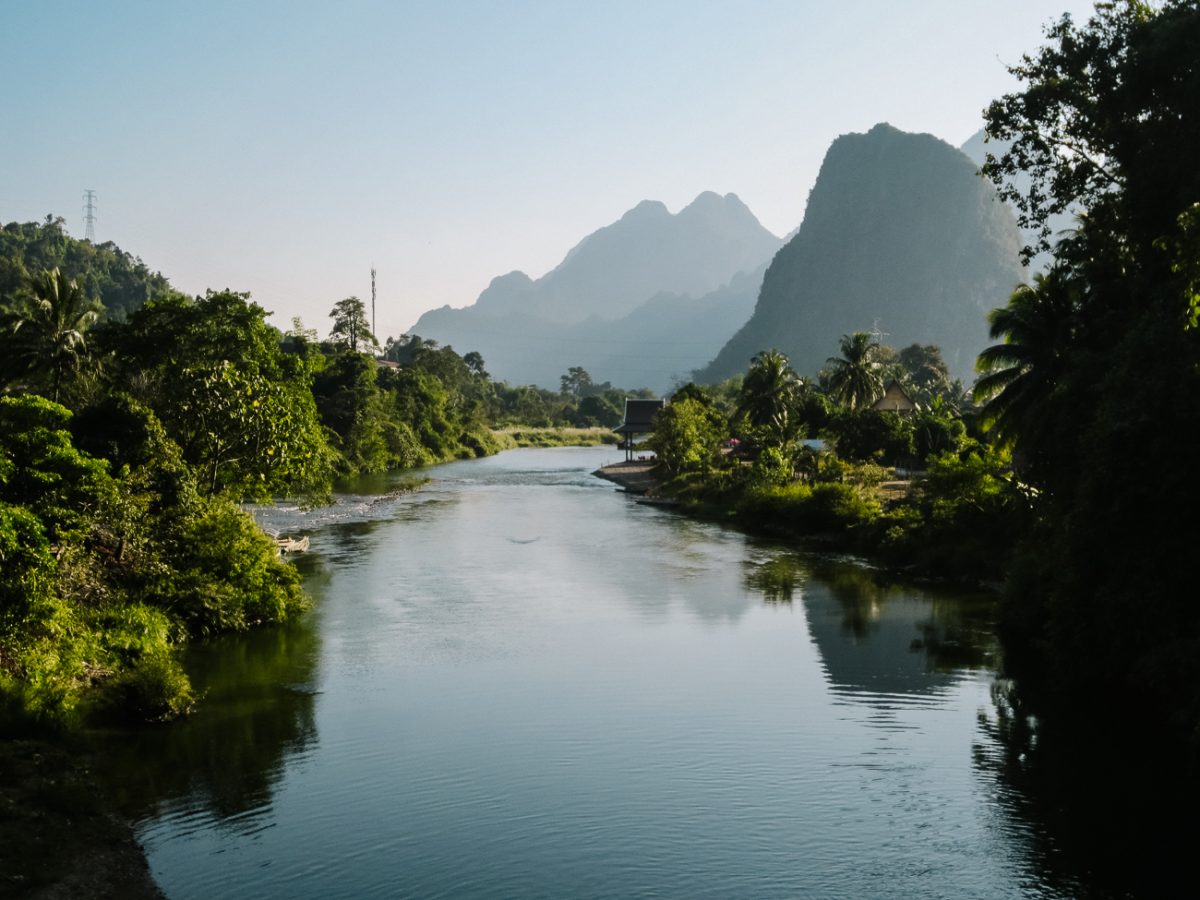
(373, 303)
(89, 215)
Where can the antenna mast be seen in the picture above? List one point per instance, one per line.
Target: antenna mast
(89, 215)
(373, 302)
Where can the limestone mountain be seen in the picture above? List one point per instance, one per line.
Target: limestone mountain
(683, 279)
(901, 236)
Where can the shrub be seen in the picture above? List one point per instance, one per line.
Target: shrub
(232, 577)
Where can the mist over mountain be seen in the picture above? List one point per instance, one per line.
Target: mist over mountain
(900, 235)
(647, 298)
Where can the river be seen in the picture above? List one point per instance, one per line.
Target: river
(517, 682)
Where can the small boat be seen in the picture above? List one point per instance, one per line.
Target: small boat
(291, 545)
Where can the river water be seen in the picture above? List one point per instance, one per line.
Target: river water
(517, 682)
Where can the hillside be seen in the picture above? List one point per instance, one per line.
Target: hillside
(120, 281)
(901, 236)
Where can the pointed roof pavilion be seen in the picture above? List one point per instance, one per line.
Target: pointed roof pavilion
(639, 419)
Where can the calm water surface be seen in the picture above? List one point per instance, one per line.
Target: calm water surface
(517, 682)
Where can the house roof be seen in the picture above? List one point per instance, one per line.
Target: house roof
(894, 398)
(638, 416)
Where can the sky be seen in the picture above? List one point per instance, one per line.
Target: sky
(285, 148)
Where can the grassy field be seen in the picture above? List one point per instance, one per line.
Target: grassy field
(554, 437)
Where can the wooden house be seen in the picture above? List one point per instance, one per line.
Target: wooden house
(638, 420)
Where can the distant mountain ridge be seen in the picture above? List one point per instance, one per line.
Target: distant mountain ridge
(637, 302)
(900, 234)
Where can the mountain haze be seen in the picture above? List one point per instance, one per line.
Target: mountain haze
(900, 235)
(642, 300)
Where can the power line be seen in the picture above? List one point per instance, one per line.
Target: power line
(89, 215)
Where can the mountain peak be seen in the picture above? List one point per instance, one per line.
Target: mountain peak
(712, 203)
(695, 254)
(647, 209)
(900, 231)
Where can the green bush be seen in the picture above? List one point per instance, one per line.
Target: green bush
(26, 566)
(771, 468)
(155, 688)
(232, 577)
(803, 509)
(836, 507)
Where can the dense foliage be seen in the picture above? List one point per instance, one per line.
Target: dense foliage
(120, 282)
(1097, 376)
(815, 459)
(108, 563)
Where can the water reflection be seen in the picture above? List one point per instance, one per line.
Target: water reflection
(777, 579)
(877, 636)
(257, 715)
(1109, 815)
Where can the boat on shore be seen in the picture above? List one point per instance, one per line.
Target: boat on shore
(291, 545)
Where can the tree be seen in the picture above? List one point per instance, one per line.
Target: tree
(768, 397)
(925, 372)
(854, 376)
(248, 435)
(575, 382)
(474, 362)
(121, 282)
(687, 435)
(1107, 123)
(350, 325)
(176, 332)
(1020, 375)
(596, 411)
(41, 469)
(45, 336)
(350, 405)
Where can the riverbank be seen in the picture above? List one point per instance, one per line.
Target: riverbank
(636, 477)
(958, 524)
(59, 839)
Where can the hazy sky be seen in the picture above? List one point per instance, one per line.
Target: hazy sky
(281, 148)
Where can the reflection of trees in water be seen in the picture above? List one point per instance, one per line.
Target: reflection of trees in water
(257, 710)
(777, 579)
(874, 632)
(959, 633)
(955, 631)
(1108, 814)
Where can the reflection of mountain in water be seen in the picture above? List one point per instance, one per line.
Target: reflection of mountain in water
(878, 640)
(873, 647)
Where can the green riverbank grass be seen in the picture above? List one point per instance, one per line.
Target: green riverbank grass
(510, 438)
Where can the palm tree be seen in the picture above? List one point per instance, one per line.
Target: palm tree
(1022, 373)
(769, 394)
(854, 377)
(45, 333)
